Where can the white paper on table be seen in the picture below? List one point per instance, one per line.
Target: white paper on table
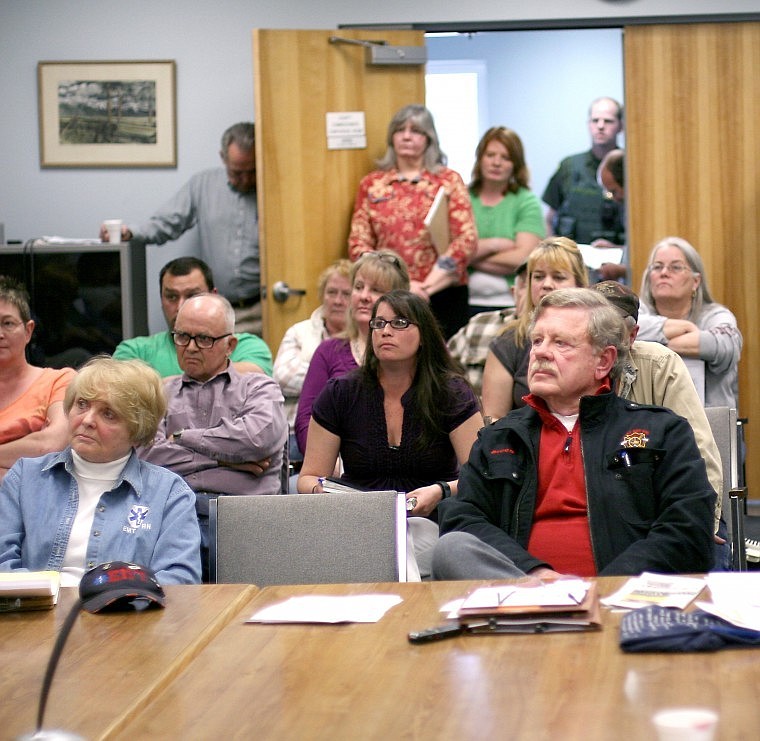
(735, 598)
(559, 593)
(69, 240)
(595, 257)
(361, 608)
(740, 616)
(663, 590)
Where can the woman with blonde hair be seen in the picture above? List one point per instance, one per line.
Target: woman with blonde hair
(303, 338)
(555, 263)
(96, 501)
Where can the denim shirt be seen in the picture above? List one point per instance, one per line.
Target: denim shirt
(147, 518)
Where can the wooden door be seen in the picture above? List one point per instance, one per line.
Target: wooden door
(693, 145)
(306, 192)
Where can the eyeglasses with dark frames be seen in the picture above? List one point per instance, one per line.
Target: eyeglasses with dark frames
(398, 322)
(202, 341)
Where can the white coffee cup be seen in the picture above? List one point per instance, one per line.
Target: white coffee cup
(113, 227)
(685, 724)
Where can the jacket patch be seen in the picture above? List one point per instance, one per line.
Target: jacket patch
(635, 439)
(500, 451)
(136, 519)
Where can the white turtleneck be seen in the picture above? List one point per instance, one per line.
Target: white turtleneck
(93, 480)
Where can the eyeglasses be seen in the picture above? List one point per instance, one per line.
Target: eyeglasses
(398, 323)
(202, 341)
(8, 325)
(676, 267)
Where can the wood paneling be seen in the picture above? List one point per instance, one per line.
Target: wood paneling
(306, 192)
(693, 143)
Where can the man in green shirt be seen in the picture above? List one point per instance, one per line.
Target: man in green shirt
(179, 280)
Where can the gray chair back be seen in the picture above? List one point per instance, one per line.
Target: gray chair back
(725, 429)
(308, 538)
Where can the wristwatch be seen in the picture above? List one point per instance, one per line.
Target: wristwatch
(447, 263)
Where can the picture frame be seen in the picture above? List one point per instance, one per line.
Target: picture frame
(107, 114)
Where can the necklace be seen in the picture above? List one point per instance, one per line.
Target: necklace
(357, 350)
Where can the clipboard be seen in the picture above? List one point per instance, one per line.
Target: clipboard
(544, 614)
(437, 222)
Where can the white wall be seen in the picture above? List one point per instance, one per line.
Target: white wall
(210, 42)
(540, 84)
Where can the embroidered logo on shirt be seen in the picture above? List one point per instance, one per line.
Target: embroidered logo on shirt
(635, 439)
(136, 518)
(499, 451)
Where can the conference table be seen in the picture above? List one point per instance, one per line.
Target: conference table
(112, 664)
(198, 670)
(366, 681)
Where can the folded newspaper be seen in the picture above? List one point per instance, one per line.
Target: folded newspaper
(664, 590)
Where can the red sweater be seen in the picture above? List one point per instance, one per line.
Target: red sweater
(560, 533)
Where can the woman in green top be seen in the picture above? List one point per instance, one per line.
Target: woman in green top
(508, 216)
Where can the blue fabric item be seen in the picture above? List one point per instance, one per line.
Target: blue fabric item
(656, 628)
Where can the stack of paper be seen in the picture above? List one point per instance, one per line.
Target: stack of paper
(664, 590)
(28, 590)
(735, 598)
(359, 608)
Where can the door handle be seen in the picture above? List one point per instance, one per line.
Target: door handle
(281, 292)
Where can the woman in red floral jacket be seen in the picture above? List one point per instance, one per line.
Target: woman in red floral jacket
(390, 212)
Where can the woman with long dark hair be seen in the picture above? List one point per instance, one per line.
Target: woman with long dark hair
(405, 420)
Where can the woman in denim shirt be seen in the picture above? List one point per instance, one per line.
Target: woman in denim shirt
(96, 501)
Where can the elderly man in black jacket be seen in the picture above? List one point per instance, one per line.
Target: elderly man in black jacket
(579, 481)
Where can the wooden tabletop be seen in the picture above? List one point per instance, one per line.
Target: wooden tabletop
(366, 681)
(111, 664)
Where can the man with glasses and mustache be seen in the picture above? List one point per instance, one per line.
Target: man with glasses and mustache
(579, 481)
(224, 432)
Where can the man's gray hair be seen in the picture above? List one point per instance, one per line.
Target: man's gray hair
(240, 134)
(605, 325)
(229, 312)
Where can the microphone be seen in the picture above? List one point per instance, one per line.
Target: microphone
(108, 587)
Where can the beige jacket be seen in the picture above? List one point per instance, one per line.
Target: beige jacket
(657, 375)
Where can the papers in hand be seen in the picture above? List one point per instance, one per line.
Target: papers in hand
(656, 589)
(561, 605)
(28, 590)
(594, 257)
(367, 608)
(437, 222)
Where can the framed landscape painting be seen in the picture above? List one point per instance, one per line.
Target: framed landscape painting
(107, 114)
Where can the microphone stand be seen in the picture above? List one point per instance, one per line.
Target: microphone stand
(54, 735)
